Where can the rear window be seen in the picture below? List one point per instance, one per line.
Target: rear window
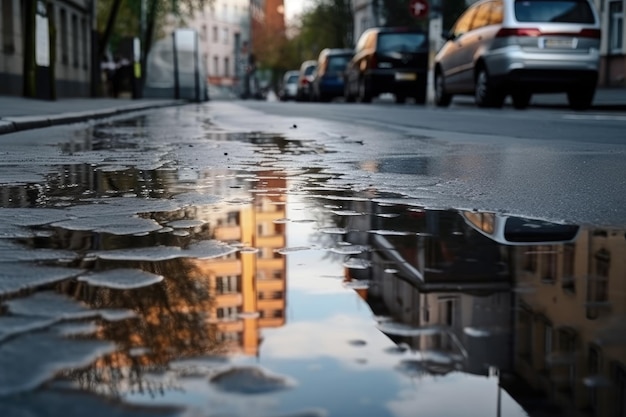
(309, 70)
(337, 63)
(558, 11)
(401, 42)
(292, 79)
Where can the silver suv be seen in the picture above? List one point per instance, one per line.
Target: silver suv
(520, 47)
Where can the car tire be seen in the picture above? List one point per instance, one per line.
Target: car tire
(400, 98)
(365, 96)
(521, 99)
(484, 93)
(580, 98)
(442, 98)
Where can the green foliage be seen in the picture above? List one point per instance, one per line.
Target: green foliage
(328, 24)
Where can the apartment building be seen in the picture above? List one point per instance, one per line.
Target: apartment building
(62, 39)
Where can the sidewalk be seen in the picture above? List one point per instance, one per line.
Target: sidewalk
(19, 113)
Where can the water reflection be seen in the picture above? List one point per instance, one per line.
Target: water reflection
(274, 293)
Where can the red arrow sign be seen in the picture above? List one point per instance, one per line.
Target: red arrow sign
(419, 8)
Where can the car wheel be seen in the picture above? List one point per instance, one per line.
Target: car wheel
(442, 98)
(484, 93)
(521, 99)
(400, 98)
(365, 95)
(580, 98)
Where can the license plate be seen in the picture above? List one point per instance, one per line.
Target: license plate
(406, 76)
(556, 43)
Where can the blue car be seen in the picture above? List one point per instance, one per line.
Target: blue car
(328, 78)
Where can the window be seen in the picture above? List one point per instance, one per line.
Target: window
(225, 35)
(598, 283)
(229, 313)
(616, 26)
(465, 22)
(215, 34)
(482, 16)
(216, 71)
(561, 11)
(226, 67)
(75, 38)
(64, 55)
(228, 284)
(569, 280)
(8, 42)
(548, 265)
(85, 39)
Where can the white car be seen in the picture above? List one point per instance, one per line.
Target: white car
(289, 86)
(521, 47)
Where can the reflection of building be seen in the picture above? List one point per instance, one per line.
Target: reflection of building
(447, 282)
(249, 284)
(571, 328)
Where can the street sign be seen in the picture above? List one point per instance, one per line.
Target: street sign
(419, 8)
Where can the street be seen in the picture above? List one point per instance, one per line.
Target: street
(249, 258)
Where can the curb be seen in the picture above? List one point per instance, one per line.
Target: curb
(20, 123)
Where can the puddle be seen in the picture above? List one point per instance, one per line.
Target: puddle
(157, 287)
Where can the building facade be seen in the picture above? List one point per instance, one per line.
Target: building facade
(62, 39)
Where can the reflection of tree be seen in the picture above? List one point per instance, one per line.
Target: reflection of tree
(171, 323)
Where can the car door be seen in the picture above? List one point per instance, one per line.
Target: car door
(451, 55)
(473, 41)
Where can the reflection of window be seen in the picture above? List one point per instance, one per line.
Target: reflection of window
(598, 283)
(594, 363)
(530, 263)
(482, 16)
(569, 281)
(548, 264)
(618, 375)
(8, 42)
(567, 349)
(616, 26)
(230, 313)
(225, 337)
(525, 330)
(228, 284)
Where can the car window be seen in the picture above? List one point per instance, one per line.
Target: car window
(337, 63)
(309, 70)
(292, 79)
(482, 16)
(495, 17)
(561, 11)
(401, 42)
(464, 23)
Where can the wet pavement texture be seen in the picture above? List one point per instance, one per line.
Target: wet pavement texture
(145, 275)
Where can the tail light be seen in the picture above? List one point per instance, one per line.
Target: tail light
(506, 32)
(534, 32)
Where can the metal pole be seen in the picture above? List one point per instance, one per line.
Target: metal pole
(176, 80)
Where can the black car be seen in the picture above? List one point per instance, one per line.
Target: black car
(328, 78)
(388, 60)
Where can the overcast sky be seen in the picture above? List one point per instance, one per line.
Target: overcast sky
(294, 7)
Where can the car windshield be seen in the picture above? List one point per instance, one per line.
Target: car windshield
(562, 11)
(337, 63)
(401, 42)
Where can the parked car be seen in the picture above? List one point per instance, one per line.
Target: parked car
(388, 60)
(328, 77)
(289, 86)
(305, 77)
(520, 47)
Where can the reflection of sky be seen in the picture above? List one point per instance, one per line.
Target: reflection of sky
(340, 362)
